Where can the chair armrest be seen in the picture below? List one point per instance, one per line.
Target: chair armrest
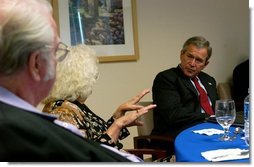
(156, 153)
(154, 137)
(162, 142)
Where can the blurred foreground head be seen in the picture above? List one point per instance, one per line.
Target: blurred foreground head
(28, 44)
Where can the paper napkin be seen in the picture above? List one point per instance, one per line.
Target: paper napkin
(209, 132)
(225, 154)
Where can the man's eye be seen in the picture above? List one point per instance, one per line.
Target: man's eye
(199, 60)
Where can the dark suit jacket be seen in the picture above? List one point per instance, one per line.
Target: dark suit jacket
(29, 137)
(177, 101)
(240, 84)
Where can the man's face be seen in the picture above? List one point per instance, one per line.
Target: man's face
(49, 61)
(51, 70)
(49, 74)
(193, 60)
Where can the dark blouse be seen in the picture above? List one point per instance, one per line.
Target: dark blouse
(90, 125)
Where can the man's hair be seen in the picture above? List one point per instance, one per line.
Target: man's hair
(199, 42)
(24, 28)
(75, 75)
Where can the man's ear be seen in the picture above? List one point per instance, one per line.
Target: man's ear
(181, 55)
(34, 65)
(206, 63)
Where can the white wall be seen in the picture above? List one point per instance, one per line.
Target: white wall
(163, 26)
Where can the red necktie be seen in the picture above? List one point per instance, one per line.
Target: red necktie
(204, 102)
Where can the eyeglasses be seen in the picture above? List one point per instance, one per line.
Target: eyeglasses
(61, 51)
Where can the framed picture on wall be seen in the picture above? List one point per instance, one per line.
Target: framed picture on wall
(107, 26)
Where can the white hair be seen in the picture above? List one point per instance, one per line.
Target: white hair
(75, 75)
(25, 26)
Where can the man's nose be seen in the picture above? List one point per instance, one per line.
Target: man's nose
(193, 62)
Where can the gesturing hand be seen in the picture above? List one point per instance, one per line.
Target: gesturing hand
(124, 119)
(131, 118)
(130, 105)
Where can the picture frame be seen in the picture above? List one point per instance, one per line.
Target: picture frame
(107, 26)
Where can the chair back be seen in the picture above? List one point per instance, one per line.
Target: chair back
(224, 90)
(147, 119)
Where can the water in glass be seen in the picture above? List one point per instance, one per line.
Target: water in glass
(247, 132)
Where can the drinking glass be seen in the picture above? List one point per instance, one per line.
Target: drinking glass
(225, 116)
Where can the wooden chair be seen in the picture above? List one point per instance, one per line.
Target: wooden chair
(224, 90)
(160, 147)
(156, 154)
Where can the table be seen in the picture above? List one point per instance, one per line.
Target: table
(189, 145)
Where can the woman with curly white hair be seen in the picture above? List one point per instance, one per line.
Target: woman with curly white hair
(75, 78)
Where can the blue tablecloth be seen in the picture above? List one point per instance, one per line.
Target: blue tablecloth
(189, 145)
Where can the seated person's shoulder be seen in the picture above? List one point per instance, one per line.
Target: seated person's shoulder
(171, 71)
(240, 68)
(206, 76)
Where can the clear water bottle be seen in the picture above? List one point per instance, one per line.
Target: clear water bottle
(246, 117)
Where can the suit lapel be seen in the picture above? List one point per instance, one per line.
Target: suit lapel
(187, 81)
(190, 86)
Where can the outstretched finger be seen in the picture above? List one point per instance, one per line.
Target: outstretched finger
(150, 106)
(144, 110)
(138, 97)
